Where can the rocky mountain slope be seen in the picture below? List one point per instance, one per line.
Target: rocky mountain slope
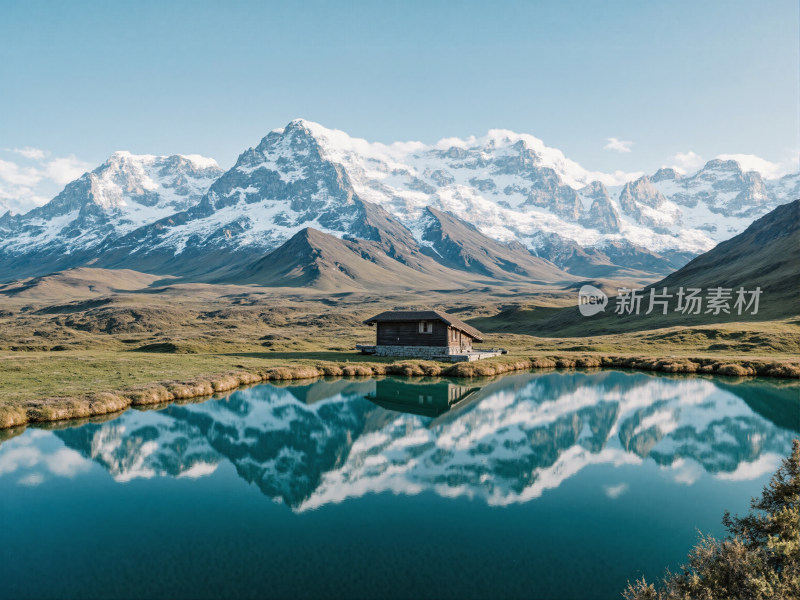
(185, 216)
(454, 254)
(312, 258)
(460, 245)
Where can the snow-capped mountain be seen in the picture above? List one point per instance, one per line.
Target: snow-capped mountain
(310, 445)
(512, 187)
(161, 212)
(124, 193)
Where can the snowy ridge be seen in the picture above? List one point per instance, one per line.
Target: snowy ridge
(126, 192)
(145, 188)
(510, 186)
(273, 191)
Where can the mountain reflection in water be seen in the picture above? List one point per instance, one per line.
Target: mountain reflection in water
(503, 441)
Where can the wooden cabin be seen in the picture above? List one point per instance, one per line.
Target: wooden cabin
(424, 334)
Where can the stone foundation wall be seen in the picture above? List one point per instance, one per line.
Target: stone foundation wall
(416, 351)
(473, 356)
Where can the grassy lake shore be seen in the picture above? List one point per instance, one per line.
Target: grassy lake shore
(72, 385)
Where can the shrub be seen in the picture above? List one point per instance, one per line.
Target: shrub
(760, 558)
(734, 370)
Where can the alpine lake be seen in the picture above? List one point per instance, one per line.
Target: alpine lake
(559, 484)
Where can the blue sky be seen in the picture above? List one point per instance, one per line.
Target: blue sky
(80, 80)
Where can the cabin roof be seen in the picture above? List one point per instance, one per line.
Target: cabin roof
(425, 315)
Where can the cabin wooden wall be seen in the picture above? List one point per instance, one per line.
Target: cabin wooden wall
(406, 333)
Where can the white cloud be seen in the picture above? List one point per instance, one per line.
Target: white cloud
(67, 463)
(618, 145)
(686, 162)
(14, 459)
(23, 187)
(64, 462)
(617, 177)
(746, 471)
(686, 471)
(200, 469)
(615, 491)
(31, 480)
(64, 170)
(19, 199)
(12, 173)
(450, 142)
(31, 153)
(766, 168)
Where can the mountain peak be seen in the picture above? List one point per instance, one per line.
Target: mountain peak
(315, 131)
(199, 161)
(595, 188)
(749, 163)
(665, 174)
(123, 159)
(297, 138)
(302, 125)
(720, 164)
(126, 158)
(309, 234)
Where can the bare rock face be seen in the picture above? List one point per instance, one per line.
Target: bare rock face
(727, 190)
(601, 215)
(647, 206)
(665, 174)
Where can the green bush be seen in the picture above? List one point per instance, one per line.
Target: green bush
(758, 560)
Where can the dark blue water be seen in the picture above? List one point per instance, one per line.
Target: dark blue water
(557, 485)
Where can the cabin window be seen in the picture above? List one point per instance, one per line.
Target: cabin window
(454, 335)
(425, 327)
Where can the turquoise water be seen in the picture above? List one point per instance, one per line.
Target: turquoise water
(534, 485)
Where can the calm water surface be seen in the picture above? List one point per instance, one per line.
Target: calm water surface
(554, 485)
